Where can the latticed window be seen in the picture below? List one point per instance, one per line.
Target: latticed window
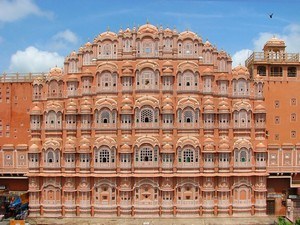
(104, 156)
(242, 156)
(87, 58)
(127, 45)
(146, 154)
(52, 156)
(188, 155)
(147, 115)
(188, 116)
(107, 50)
(105, 116)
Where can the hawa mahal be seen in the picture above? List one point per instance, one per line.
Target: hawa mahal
(153, 122)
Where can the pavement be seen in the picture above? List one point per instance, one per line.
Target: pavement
(262, 220)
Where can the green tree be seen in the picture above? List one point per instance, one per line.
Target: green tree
(283, 221)
(297, 222)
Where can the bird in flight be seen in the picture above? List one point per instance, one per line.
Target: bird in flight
(271, 15)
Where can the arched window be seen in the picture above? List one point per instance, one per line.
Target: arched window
(104, 156)
(147, 115)
(188, 48)
(242, 157)
(146, 154)
(51, 156)
(105, 116)
(107, 50)
(73, 66)
(87, 58)
(127, 45)
(147, 79)
(188, 116)
(188, 155)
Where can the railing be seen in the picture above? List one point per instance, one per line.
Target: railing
(127, 88)
(167, 88)
(126, 165)
(209, 165)
(242, 203)
(126, 126)
(105, 165)
(70, 165)
(261, 164)
(223, 126)
(188, 125)
(105, 126)
(146, 164)
(19, 77)
(208, 125)
(260, 202)
(260, 125)
(167, 165)
(148, 202)
(147, 125)
(167, 125)
(262, 56)
(223, 202)
(51, 166)
(166, 203)
(276, 74)
(187, 202)
(224, 165)
(190, 165)
(208, 203)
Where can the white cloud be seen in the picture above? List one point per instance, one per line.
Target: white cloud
(240, 57)
(290, 34)
(34, 60)
(12, 10)
(66, 35)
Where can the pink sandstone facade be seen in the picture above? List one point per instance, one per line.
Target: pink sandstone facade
(152, 122)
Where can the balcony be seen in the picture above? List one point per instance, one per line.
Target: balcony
(187, 89)
(127, 88)
(126, 126)
(260, 202)
(260, 165)
(106, 126)
(224, 166)
(187, 203)
(166, 88)
(167, 126)
(209, 166)
(102, 167)
(223, 203)
(265, 57)
(145, 165)
(188, 126)
(167, 165)
(125, 165)
(54, 95)
(208, 203)
(188, 165)
(147, 126)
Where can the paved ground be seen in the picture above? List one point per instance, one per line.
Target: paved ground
(267, 220)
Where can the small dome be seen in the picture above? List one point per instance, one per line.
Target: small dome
(240, 70)
(88, 44)
(274, 41)
(72, 77)
(209, 147)
(224, 146)
(148, 28)
(33, 148)
(167, 147)
(70, 144)
(208, 108)
(55, 71)
(36, 110)
(125, 148)
(167, 109)
(108, 34)
(207, 44)
(85, 106)
(71, 107)
(167, 71)
(126, 108)
(259, 109)
(167, 64)
(127, 100)
(167, 138)
(126, 139)
(73, 54)
(207, 71)
(208, 102)
(167, 100)
(187, 34)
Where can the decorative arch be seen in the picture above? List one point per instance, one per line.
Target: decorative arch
(146, 140)
(242, 105)
(187, 65)
(105, 141)
(107, 66)
(188, 102)
(109, 103)
(188, 140)
(147, 100)
(147, 64)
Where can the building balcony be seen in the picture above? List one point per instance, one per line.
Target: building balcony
(167, 126)
(106, 126)
(71, 94)
(242, 166)
(33, 165)
(208, 126)
(208, 203)
(187, 203)
(241, 203)
(223, 126)
(187, 89)
(224, 166)
(260, 202)
(146, 165)
(71, 127)
(260, 126)
(208, 166)
(261, 165)
(222, 203)
(51, 166)
(53, 128)
(108, 166)
(126, 126)
(147, 126)
(265, 57)
(125, 165)
(167, 165)
(54, 95)
(188, 165)
(188, 126)
(127, 88)
(37, 97)
(146, 88)
(167, 203)
(167, 88)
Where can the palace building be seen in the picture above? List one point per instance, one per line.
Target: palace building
(151, 122)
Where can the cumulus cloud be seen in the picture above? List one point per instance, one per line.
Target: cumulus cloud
(290, 34)
(240, 57)
(34, 60)
(12, 10)
(66, 35)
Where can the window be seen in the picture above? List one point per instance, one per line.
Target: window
(293, 134)
(147, 116)
(188, 155)
(293, 117)
(261, 70)
(276, 71)
(146, 155)
(104, 156)
(292, 72)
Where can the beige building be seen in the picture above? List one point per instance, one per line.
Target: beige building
(153, 122)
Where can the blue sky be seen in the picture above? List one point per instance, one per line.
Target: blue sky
(36, 35)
